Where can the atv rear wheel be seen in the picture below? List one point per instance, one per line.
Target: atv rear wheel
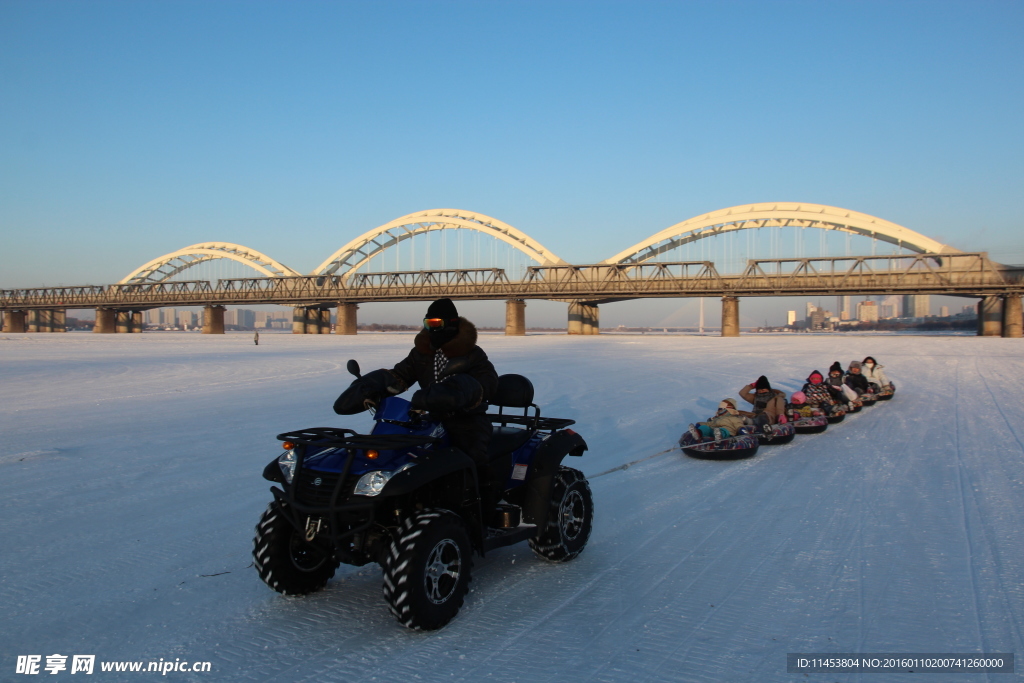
(570, 518)
(285, 560)
(427, 569)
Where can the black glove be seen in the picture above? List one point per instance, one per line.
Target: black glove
(453, 393)
(373, 386)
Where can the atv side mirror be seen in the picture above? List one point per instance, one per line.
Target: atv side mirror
(353, 367)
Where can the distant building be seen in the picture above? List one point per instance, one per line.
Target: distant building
(843, 307)
(944, 311)
(970, 309)
(811, 308)
(916, 306)
(867, 312)
(790, 317)
(816, 321)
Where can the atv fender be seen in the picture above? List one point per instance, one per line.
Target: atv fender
(429, 468)
(272, 472)
(542, 473)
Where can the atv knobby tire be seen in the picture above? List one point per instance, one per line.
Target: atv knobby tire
(427, 569)
(570, 518)
(283, 558)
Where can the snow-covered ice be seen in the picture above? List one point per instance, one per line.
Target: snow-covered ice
(130, 484)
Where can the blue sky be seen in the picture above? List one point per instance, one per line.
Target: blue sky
(131, 129)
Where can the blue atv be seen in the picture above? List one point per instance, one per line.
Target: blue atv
(403, 497)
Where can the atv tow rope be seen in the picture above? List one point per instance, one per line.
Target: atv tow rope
(630, 464)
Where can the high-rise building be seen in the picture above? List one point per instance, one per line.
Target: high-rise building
(790, 317)
(867, 312)
(811, 308)
(843, 306)
(944, 311)
(170, 317)
(916, 305)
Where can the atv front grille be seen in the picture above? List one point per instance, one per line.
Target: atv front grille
(316, 488)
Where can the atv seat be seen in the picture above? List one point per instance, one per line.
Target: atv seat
(514, 391)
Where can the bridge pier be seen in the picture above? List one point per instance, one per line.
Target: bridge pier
(299, 320)
(575, 318)
(123, 324)
(990, 317)
(346, 322)
(14, 322)
(591, 319)
(584, 318)
(58, 320)
(32, 323)
(319, 321)
(1013, 316)
(213, 320)
(730, 316)
(515, 318)
(105, 321)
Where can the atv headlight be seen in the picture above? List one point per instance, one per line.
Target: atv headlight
(372, 483)
(287, 464)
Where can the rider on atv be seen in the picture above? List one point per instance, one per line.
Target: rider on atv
(460, 399)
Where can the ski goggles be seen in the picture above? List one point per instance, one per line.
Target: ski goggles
(433, 323)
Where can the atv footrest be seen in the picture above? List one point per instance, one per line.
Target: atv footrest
(499, 538)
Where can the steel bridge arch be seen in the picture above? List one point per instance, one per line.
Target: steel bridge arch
(359, 251)
(167, 266)
(779, 214)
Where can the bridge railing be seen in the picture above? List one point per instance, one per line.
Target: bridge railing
(946, 271)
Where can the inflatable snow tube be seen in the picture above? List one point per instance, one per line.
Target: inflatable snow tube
(836, 416)
(781, 433)
(730, 448)
(810, 425)
(887, 393)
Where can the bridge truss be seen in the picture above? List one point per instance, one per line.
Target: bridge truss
(961, 274)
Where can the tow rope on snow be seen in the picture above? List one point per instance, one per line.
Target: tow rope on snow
(631, 463)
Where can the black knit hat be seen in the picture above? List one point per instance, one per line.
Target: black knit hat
(762, 383)
(444, 309)
(836, 367)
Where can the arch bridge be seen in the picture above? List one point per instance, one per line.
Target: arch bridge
(341, 282)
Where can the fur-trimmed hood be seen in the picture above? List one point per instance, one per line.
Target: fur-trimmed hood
(462, 344)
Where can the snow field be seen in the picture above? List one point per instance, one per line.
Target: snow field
(130, 473)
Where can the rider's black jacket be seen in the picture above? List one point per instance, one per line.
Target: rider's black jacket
(421, 365)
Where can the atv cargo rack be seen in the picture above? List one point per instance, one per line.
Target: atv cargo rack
(532, 422)
(330, 436)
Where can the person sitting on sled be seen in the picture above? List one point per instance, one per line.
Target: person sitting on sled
(839, 389)
(821, 395)
(726, 422)
(855, 380)
(874, 373)
(798, 406)
(768, 404)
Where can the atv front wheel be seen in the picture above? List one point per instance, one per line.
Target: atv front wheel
(285, 560)
(570, 518)
(427, 569)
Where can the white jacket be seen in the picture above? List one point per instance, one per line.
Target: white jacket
(875, 374)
